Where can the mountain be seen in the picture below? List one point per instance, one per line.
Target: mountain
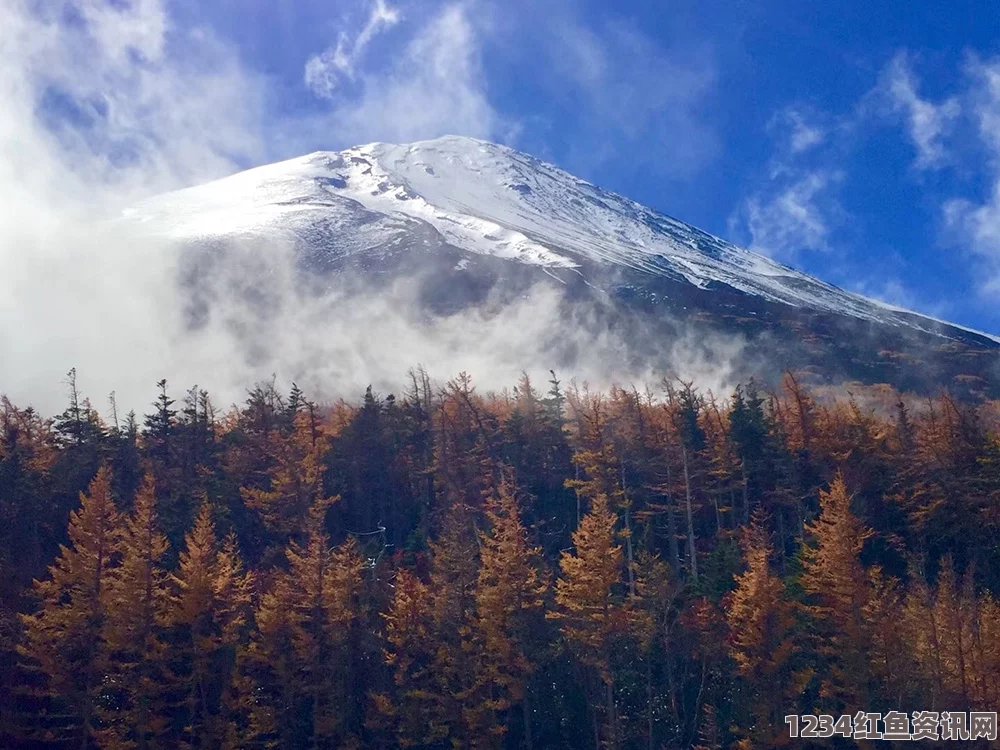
(476, 224)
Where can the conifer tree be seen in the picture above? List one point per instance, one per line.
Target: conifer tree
(603, 471)
(27, 526)
(63, 638)
(80, 436)
(692, 441)
(160, 427)
(838, 591)
(891, 647)
(466, 456)
(262, 708)
(138, 606)
(590, 609)
(748, 431)
(508, 599)
(210, 614)
(760, 623)
(299, 662)
(321, 589)
(295, 480)
(79, 425)
(986, 651)
(953, 613)
(453, 578)
(411, 712)
(922, 634)
(555, 401)
(537, 452)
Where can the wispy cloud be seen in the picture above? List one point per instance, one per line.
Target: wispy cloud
(794, 209)
(927, 123)
(797, 216)
(895, 292)
(798, 130)
(625, 90)
(434, 86)
(632, 92)
(975, 225)
(325, 72)
(984, 97)
(126, 96)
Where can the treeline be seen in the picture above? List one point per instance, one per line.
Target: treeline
(628, 569)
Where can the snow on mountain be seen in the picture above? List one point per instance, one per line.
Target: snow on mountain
(486, 199)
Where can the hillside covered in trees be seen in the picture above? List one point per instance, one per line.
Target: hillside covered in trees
(541, 567)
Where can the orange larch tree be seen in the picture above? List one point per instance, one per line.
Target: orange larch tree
(209, 618)
(760, 620)
(508, 606)
(591, 610)
(62, 638)
(138, 602)
(838, 590)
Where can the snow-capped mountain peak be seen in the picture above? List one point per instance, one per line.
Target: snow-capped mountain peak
(490, 200)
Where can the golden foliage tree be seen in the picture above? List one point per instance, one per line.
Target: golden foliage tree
(590, 609)
(508, 603)
(838, 592)
(954, 614)
(891, 645)
(63, 637)
(210, 613)
(412, 713)
(760, 620)
(300, 658)
(295, 479)
(138, 608)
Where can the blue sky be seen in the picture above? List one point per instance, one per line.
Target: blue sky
(859, 141)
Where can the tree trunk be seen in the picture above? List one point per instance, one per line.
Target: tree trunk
(675, 555)
(526, 708)
(690, 517)
(746, 495)
(609, 691)
(628, 535)
(649, 701)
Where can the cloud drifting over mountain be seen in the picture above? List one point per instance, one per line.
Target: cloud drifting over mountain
(106, 104)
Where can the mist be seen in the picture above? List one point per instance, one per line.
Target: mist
(118, 104)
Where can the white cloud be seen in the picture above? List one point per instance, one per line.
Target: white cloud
(927, 123)
(893, 292)
(636, 96)
(800, 133)
(103, 104)
(324, 72)
(797, 217)
(627, 91)
(985, 101)
(435, 87)
(976, 225)
(795, 208)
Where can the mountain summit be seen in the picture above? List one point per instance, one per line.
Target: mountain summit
(478, 221)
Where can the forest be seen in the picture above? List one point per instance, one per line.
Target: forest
(546, 566)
